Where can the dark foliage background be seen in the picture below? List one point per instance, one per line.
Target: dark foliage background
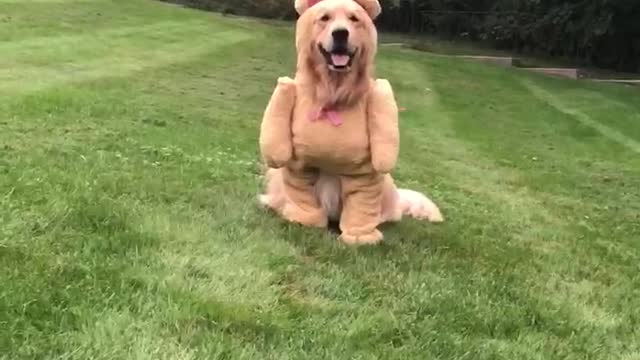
(604, 33)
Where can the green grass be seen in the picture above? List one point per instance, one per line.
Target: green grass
(129, 228)
(455, 47)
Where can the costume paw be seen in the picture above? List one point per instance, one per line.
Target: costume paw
(287, 87)
(373, 238)
(384, 133)
(279, 157)
(285, 80)
(383, 166)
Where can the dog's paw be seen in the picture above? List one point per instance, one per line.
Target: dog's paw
(264, 201)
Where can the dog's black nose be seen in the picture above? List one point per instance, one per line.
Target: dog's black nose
(340, 36)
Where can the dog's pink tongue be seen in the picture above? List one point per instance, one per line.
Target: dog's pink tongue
(340, 60)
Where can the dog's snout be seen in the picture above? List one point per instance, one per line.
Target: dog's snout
(340, 36)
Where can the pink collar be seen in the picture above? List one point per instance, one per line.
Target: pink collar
(333, 116)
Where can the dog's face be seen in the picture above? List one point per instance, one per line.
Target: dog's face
(341, 34)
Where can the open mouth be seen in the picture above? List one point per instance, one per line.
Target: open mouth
(338, 59)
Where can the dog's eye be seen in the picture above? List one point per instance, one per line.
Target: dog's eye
(325, 18)
(354, 18)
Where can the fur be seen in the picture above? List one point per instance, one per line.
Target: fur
(336, 90)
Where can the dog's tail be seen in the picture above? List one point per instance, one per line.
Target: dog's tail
(418, 206)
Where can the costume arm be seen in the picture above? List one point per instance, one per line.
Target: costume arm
(384, 134)
(275, 131)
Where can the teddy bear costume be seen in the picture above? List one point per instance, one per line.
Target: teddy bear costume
(358, 143)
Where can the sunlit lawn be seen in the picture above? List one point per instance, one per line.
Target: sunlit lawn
(129, 228)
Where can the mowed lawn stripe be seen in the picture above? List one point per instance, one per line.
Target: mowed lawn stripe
(130, 228)
(123, 60)
(506, 186)
(609, 133)
(22, 20)
(60, 43)
(35, 2)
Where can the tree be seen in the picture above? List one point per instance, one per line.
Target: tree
(605, 33)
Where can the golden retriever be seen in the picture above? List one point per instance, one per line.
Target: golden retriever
(336, 41)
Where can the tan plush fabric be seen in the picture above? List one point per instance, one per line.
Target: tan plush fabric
(359, 150)
(355, 139)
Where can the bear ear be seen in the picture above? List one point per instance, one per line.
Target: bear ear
(372, 7)
(303, 5)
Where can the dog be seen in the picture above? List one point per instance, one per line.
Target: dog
(336, 41)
